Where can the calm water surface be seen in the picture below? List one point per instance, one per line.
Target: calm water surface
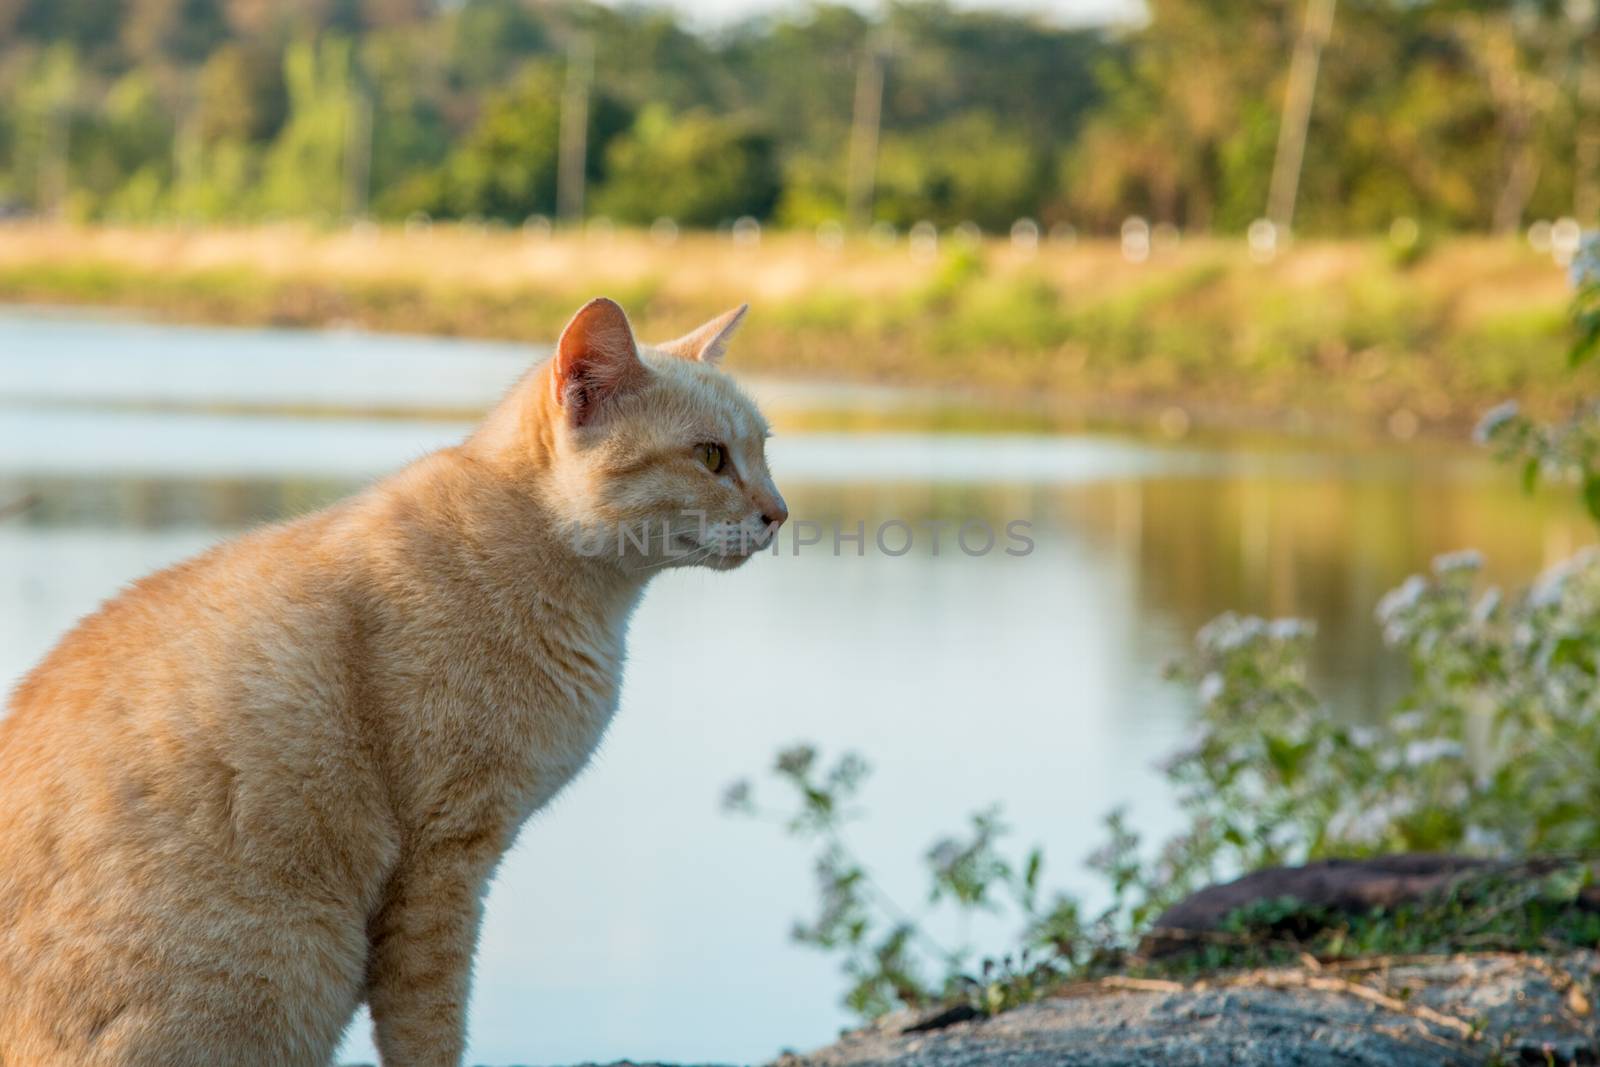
(633, 919)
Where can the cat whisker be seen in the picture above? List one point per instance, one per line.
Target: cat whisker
(700, 552)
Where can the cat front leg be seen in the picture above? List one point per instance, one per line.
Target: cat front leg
(422, 942)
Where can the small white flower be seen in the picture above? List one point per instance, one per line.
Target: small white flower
(1369, 823)
(1401, 600)
(1486, 606)
(1292, 629)
(1230, 632)
(1548, 588)
(1419, 753)
(1493, 420)
(1467, 559)
(1585, 268)
(1211, 687)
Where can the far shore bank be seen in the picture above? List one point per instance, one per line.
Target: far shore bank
(1398, 342)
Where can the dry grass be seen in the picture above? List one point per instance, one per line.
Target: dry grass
(781, 267)
(1330, 328)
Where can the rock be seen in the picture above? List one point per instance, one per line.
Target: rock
(958, 1013)
(1459, 1010)
(1339, 886)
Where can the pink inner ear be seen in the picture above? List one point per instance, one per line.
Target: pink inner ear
(596, 358)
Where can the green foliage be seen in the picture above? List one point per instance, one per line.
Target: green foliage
(1461, 118)
(1586, 305)
(492, 38)
(1533, 908)
(1568, 450)
(972, 168)
(1493, 749)
(884, 952)
(303, 173)
(696, 168)
(505, 167)
(1479, 754)
(1424, 111)
(123, 161)
(40, 125)
(410, 134)
(243, 96)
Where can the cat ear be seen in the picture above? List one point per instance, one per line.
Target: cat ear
(595, 359)
(708, 343)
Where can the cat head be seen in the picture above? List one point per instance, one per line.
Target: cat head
(656, 457)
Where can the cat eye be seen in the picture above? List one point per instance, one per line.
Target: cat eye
(711, 456)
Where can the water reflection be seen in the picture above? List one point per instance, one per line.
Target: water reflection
(1270, 530)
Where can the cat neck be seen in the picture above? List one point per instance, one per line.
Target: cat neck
(515, 524)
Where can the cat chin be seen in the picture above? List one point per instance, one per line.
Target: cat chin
(728, 562)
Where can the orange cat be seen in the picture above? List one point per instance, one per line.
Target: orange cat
(271, 783)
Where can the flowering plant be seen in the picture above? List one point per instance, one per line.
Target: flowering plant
(1492, 749)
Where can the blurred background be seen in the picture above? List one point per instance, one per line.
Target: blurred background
(1479, 116)
(1210, 293)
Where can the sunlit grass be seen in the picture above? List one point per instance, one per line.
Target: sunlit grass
(1329, 329)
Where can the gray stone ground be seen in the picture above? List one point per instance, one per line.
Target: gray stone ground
(1478, 1010)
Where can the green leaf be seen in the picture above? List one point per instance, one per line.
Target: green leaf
(1588, 340)
(1286, 756)
(1530, 475)
(1591, 494)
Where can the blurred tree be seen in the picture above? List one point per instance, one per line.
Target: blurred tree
(43, 106)
(799, 71)
(812, 192)
(493, 38)
(183, 30)
(241, 95)
(970, 168)
(386, 14)
(85, 25)
(696, 168)
(1190, 109)
(505, 168)
(10, 15)
(303, 174)
(408, 77)
(1514, 51)
(1401, 128)
(1459, 113)
(122, 158)
(645, 56)
(947, 63)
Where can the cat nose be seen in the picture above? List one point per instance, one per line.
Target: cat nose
(774, 512)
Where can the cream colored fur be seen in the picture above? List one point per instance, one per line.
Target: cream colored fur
(268, 784)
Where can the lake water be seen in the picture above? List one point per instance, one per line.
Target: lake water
(633, 919)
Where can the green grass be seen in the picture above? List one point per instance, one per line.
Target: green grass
(1499, 911)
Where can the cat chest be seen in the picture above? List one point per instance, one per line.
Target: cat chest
(541, 716)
